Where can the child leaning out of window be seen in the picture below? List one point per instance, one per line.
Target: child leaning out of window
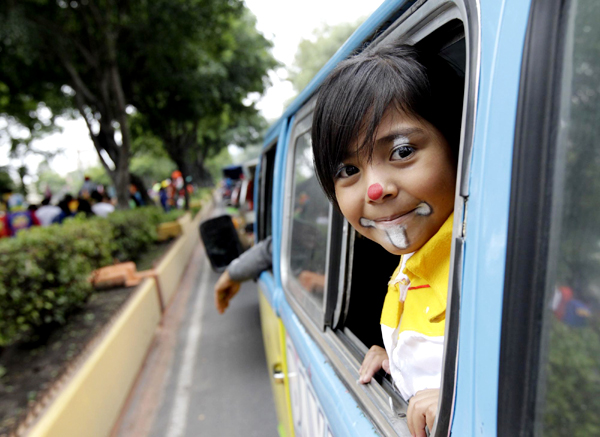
(385, 138)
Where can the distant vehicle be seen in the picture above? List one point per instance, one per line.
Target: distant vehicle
(231, 175)
(527, 222)
(238, 192)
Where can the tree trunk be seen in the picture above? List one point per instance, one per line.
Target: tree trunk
(202, 175)
(112, 107)
(104, 140)
(123, 161)
(121, 181)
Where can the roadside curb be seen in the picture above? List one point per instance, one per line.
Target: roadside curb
(90, 400)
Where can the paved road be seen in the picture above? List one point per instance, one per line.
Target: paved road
(206, 373)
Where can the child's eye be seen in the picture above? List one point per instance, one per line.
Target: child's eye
(401, 153)
(345, 171)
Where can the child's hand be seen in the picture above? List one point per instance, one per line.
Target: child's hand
(422, 410)
(225, 289)
(374, 360)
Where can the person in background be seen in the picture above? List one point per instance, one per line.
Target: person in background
(84, 206)
(101, 204)
(136, 197)
(4, 228)
(87, 188)
(19, 217)
(248, 265)
(164, 198)
(47, 212)
(65, 209)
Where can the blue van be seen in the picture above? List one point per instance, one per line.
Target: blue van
(522, 344)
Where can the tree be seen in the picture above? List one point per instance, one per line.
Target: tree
(49, 180)
(73, 48)
(313, 53)
(6, 183)
(22, 172)
(204, 109)
(149, 158)
(106, 58)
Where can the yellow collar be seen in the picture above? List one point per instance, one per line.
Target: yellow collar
(427, 262)
(431, 263)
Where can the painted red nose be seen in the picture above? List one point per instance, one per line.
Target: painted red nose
(375, 191)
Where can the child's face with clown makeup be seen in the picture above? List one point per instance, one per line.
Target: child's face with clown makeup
(405, 193)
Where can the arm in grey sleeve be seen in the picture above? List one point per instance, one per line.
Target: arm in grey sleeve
(253, 262)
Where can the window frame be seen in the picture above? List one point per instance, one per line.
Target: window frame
(298, 296)
(266, 172)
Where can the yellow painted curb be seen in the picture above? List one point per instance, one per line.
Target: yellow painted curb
(172, 266)
(91, 402)
(185, 222)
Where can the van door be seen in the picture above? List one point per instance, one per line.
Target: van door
(549, 374)
(272, 328)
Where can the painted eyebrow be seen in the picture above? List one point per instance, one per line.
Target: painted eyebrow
(408, 132)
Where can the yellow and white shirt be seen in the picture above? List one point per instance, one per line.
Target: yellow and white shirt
(414, 314)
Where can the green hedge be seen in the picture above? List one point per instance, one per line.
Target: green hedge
(45, 269)
(171, 216)
(44, 274)
(133, 231)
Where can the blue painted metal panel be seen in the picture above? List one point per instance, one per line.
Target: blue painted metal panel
(273, 132)
(255, 197)
(278, 203)
(267, 285)
(503, 27)
(344, 416)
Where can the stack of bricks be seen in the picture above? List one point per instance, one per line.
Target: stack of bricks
(119, 275)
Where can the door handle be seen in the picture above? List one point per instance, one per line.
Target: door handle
(278, 374)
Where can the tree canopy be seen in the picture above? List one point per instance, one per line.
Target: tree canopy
(183, 67)
(313, 53)
(6, 183)
(206, 107)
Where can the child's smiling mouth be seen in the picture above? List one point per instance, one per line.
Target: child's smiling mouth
(394, 227)
(384, 223)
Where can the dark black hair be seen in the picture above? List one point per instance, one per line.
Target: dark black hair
(64, 204)
(355, 96)
(96, 196)
(84, 206)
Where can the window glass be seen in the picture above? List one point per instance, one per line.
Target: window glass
(310, 222)
(266, 193)
(570, 389)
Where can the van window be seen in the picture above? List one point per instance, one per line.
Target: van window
(267, 166)
(309, 226)
(570, 387)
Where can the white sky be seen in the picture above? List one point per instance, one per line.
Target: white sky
(285, 22)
